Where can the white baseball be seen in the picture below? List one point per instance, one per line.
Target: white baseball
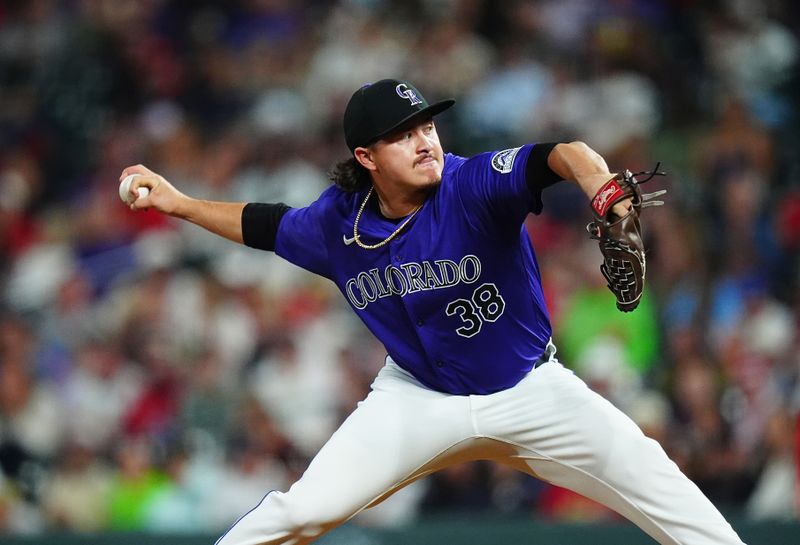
(124, 190)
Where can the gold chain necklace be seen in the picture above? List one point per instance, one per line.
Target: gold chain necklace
(385, 241)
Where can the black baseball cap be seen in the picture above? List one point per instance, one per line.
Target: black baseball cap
(378, 108)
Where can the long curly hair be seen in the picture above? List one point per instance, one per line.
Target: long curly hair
(349, 175)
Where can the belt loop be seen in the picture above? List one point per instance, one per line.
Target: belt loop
(547, 355)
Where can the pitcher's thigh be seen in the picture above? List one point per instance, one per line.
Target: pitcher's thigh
(596, 450)
(376, 450)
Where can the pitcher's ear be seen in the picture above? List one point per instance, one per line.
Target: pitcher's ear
(363, 157)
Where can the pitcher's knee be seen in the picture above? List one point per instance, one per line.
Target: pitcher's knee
(642, 463)
(290, 518)
(312, 518)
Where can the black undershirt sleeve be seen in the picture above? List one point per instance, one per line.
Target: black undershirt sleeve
(260, 224)
(538, 173)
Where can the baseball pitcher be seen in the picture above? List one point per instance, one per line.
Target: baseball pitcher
(429, 250)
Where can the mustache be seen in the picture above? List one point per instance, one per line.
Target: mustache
(423, 157)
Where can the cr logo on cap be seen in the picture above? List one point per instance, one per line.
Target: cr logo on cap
(407, 93)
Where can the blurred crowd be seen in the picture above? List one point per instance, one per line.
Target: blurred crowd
(154, 377)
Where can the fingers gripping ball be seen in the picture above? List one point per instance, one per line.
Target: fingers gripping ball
(620, 239)
(125, 190)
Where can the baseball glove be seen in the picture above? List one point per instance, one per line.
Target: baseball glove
(620, 238)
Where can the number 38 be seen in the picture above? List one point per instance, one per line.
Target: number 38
(485, 305)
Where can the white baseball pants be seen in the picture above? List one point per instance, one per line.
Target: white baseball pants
(550, 425)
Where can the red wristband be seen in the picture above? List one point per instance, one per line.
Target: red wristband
(606, 196)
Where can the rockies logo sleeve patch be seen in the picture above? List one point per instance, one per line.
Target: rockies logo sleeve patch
(503, 161)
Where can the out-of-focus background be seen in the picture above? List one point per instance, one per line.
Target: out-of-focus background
(155, 378)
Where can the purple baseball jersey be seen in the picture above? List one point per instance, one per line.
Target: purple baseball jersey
(456, 298)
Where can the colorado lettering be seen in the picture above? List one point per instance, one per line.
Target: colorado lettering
(367, 287)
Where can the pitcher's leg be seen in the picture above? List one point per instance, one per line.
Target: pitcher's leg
(396, 431)
(576, 439)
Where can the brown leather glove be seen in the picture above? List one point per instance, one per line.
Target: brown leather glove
(620, 238)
